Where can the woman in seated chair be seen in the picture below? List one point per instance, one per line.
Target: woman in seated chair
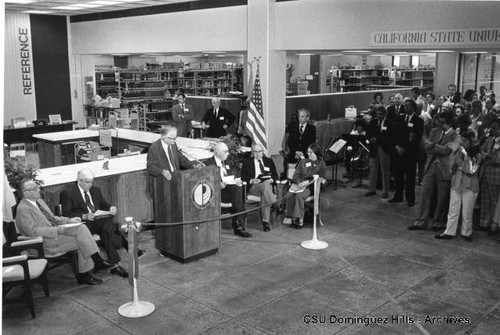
(302, 179)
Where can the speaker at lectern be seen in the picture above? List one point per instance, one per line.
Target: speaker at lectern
(189, 196)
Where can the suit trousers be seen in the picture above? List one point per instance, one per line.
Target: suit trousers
(466, 199)
(110, 237)
(405, 172)
(489, 197)
(384, 160)
(234, 195)
(433, 179)
(264, 190)
(84, 244)
(295, 203)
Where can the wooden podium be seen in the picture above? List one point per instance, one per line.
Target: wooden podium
(189, 196)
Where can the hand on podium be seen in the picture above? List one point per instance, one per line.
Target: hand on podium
(166, 174)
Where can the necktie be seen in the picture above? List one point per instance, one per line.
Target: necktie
(261, 166)
(48, 215)
(397, 110)
(170, 158)
(380, 125)
(442, 136)
(407, 119)
(88, 202)
(223, 168)
(215, 112)
(301, 129)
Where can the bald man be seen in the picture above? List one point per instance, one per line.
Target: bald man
(230, 193)
(83, 200)
(218, 118)
(259, 172)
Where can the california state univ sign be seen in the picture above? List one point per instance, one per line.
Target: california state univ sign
(19, 81)
(466, 37)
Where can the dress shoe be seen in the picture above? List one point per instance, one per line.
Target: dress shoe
(241, 232)
(299, 225)
(265, 226)
(140, 252)
(468, 238)
(443, 237)
(417, 227)
(493, 232)
(411, 203)
(119, 271)
(370, 193)
(87, 279)
(102, 266)
(394, 200)
(385, 195)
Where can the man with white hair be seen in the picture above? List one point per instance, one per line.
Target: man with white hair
(60, 234)
(218, 118)
(83, 200)
(393, 111)
(259, 172)
(231, 187)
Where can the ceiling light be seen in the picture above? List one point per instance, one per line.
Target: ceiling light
(87, 5)
(435, 51)
(104, 3)
(129, 0)
(19, 1)
(67, 8)
(37, 12)
(475, 52)
(356, 51)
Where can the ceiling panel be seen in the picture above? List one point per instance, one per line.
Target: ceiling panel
(49, 5)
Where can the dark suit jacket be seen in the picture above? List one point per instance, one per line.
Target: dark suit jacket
(296, 142)
(409, 136)
(73, 203)
(224, 117)
(248, 169)
(384, 137)
(392, 114)
(182, 119)
(157, 160)
(232, 171)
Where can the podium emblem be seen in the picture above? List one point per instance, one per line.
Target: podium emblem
(202, 194)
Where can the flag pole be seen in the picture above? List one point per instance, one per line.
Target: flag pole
(136, 308)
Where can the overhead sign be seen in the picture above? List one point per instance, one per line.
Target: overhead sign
(466, 37)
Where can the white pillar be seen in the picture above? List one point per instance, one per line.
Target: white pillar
(261, 28)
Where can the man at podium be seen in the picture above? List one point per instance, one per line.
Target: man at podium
(164, 157)
(231, 187)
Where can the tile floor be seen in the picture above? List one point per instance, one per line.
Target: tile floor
(391, 280)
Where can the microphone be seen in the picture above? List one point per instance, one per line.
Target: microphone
(191, 157)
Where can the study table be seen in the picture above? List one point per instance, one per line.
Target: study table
(25, 134)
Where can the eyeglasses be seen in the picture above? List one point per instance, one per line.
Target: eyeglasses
(258, 151)
(32, 189)
(86, 181)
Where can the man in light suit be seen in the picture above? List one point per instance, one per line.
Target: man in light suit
(83, 200)
(440, 147)
(259, 173)
(182, 114)
(218, 118)
(230, 192)
(34, 218)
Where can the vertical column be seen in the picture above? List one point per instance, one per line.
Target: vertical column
(261, 29)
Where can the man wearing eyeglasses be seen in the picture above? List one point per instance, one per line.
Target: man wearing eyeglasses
(60, 234)
(83, 200)
(259, 173)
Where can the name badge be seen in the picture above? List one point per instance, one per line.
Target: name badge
(410, 125)
(308, 164)
(383, 128)
(479, 123)
(496, 147)
(266, 168)
(221, 118)
(227, 167)
(186, 109)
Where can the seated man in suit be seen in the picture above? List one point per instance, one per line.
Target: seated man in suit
(34, 218)
(218, 118)
(259, 173)
(182, 114)
(83, 200)
(231, 188)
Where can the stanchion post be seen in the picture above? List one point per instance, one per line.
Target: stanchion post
(314, 243)
(135, 308)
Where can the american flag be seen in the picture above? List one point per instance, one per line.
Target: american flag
(256, 126)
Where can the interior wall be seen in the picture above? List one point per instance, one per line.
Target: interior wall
(217, 29)
(446, 63)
